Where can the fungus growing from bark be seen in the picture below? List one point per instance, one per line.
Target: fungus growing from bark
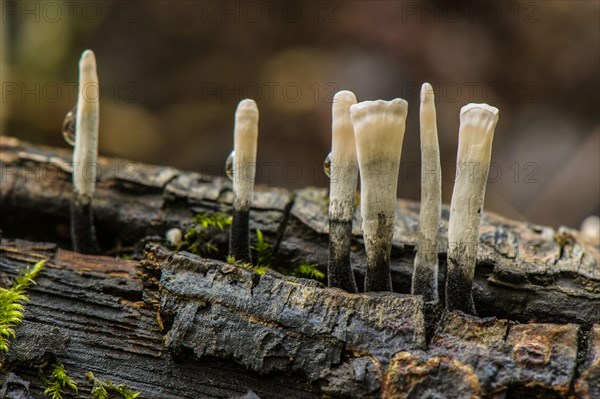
(243, 174)
(379, 133)
(425, 275)
(477, 124)
(85, 155)
(343, 173)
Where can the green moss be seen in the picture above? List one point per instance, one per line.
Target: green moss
(101, 390)
(256, 269)
(262, 250)
(231, 259)
(199, 237)
(213, 220)
(307, 270)
(11, 304)
(57, 382)
(262, 253)
(98, 390)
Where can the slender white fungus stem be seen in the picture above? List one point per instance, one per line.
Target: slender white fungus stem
(344, 175)
(244, 172)
(379, 133)
(85, 155)
(477, 124)
(425, 275)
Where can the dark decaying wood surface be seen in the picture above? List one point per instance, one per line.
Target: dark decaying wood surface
(179, 326)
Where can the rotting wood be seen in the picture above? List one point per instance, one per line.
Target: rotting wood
(99, 314)
(89, 313)
(144, 324)
(524, 272)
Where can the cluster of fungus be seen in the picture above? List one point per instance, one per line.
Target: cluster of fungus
(367, 140)
(367, 137)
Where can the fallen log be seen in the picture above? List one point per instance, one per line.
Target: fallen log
(176, 325)
(524, 271)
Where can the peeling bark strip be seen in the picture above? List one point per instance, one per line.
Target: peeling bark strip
(277, 323)
(97, 314)
(221, 310)
(524, 272)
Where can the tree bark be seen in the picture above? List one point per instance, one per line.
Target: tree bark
(176, 325)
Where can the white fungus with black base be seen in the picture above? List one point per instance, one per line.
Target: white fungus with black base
(379, 132)
(244, 173)
(343, 179)
(425, 275)
(85, 155)
(477, 124)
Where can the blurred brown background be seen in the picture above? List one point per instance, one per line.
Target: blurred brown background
(172, 72)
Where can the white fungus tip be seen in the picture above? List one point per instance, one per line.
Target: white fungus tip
(344, 97)
(427, 94)
(342, 101)
(247, 111)
(87, 60)
(397, 107)
(245, 142)
(247, 104)
(483, 108)
(482, 116)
